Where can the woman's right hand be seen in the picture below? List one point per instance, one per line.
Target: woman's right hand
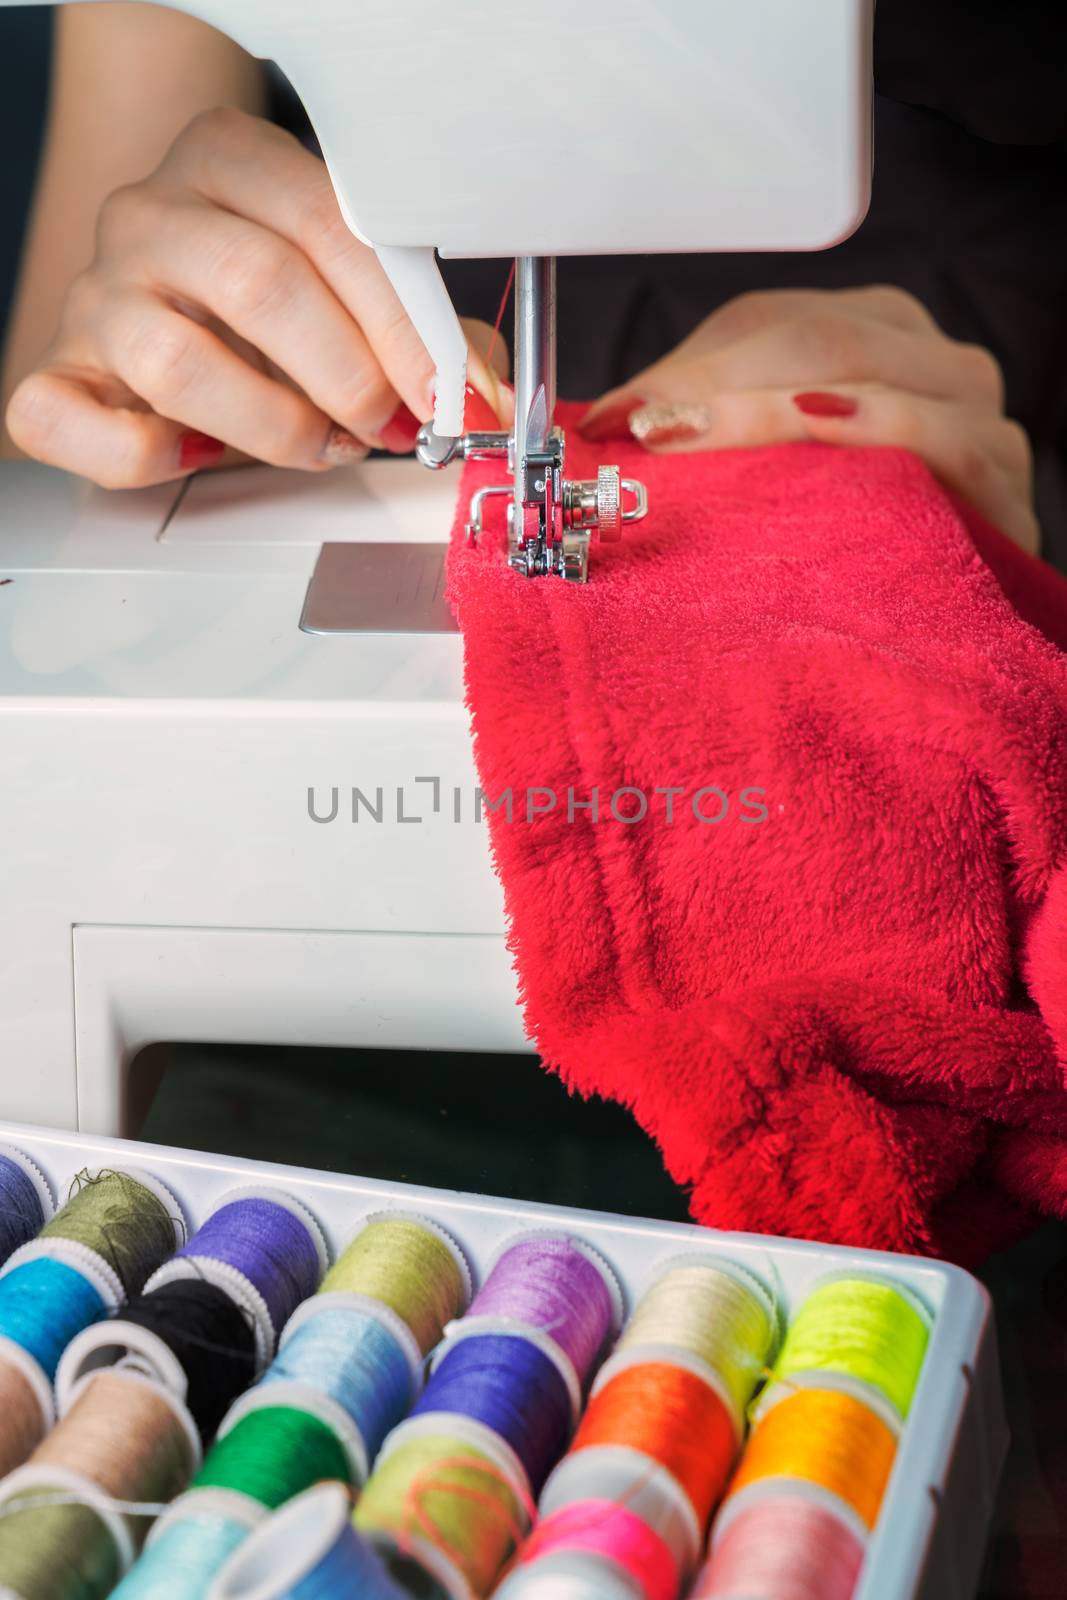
(229, 314)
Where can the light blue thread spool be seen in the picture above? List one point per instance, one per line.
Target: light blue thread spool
(189, 1547)
(309, 1550)
(349, 1355)
(43, 1304)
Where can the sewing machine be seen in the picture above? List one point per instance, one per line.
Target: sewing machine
(237, 797)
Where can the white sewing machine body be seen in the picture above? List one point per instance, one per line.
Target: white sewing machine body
(162, 718)
(162, 714)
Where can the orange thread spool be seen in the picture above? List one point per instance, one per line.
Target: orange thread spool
(823, 1436)
(672, 1415)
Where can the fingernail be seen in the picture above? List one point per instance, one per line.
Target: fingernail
(478, 414)
(341, 448)
(399, 432)
(196, 450)
(819, 403)
(665, 423)
(611, 421)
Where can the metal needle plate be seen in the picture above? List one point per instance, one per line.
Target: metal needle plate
(378, 588)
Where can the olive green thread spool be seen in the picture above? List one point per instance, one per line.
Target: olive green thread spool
(128, 1221)
(409, 1264)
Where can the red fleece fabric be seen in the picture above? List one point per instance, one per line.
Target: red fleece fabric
(846, 1020)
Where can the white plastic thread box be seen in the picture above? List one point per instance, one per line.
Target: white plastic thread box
(931, 1534)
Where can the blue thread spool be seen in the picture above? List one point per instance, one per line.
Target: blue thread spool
(348, 1354)
(511, 1386)
(26, 1201)
(265, 1249)
(189, 1545)
(309, 1550)
(44, 1302)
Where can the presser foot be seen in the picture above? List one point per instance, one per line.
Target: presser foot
(558, 516)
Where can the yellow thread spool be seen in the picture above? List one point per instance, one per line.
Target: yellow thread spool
(823, 1436)
(864, 1328)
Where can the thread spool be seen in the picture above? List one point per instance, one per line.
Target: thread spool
(272, 1453)
(308, 1550)
(866, 1328)
(568, 1575)
(782, 1547)
(124, 1442)
(448, 1500)
(348, 1356)
(189, 1544)
(409, 1264)
(115, 1225)
(510, 1386)
(713, 1310)
(663, 1413)
(188, 1335)
(26, 1201)
(828, 1437)
(611, 1533)
(264, 1248)
(560, 1287)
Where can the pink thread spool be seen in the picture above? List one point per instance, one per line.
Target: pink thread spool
(606, 1530)
(782, 1547)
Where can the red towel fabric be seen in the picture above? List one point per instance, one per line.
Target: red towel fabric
(845, 1018)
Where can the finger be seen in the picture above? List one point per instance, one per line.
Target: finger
(258, 171)
(264, 289)
(58, 418)
(488, 366)
(184, 372)
(811, 352)
(975, 457)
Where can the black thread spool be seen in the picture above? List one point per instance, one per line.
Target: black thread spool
(188, 1335)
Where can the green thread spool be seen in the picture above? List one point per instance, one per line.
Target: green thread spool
(50, 1551)
(272, 1454)
(442, 1492)
(407, 1265)
(863, 1328)
(121, 1220)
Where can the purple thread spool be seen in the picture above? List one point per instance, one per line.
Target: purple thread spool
(558, 1286)
(264, 1248)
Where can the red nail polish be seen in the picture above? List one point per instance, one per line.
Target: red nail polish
(478, 414)
(196, 450)
(611, 421)
(818, 403)
(399, 432)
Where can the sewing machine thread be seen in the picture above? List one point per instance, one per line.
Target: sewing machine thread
(609, 1530)
(25, 1200)
(128, 1223)
(308, 1550)
(450, 1502)
(861, 1327)
(412, 1266)
(553, 1284)
(510, 1386)
(786, 1546)
(189, 1544)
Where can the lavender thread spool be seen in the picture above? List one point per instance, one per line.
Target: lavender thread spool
(556, 1286)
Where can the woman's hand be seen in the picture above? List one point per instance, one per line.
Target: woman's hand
(853, 366)
(229, 314)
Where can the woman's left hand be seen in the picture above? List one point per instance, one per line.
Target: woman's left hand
(851, 366)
